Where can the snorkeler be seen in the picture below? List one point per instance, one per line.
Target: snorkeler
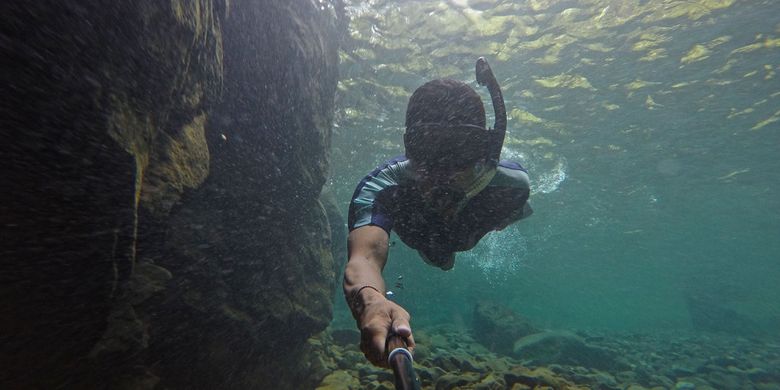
(442, 197)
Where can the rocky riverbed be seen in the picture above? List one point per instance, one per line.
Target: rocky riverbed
(449, 358)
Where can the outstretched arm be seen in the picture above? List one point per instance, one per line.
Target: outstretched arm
(364, 289)
(368, 247)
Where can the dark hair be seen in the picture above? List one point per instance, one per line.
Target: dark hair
(445, 101)
(433, 136)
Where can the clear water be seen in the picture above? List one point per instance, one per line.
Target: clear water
(650, 129)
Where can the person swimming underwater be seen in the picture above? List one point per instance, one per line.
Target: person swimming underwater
(441, 197)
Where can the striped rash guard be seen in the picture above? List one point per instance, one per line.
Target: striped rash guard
(388, 198)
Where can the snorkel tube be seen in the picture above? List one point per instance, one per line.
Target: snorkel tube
(485, 77)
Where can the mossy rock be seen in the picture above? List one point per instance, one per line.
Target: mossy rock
(453, 381)
(491, 382)
(339, 380)
(538, 378)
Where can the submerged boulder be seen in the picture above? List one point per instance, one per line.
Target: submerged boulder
(497, 327)
(564, 348)
(524, 378)
(708, 314)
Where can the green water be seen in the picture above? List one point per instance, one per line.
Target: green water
(650, 130)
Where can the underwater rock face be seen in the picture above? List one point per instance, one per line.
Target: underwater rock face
(103, 117)
(268, 277)
(268, 281)
(161, 222)
(338, 236)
